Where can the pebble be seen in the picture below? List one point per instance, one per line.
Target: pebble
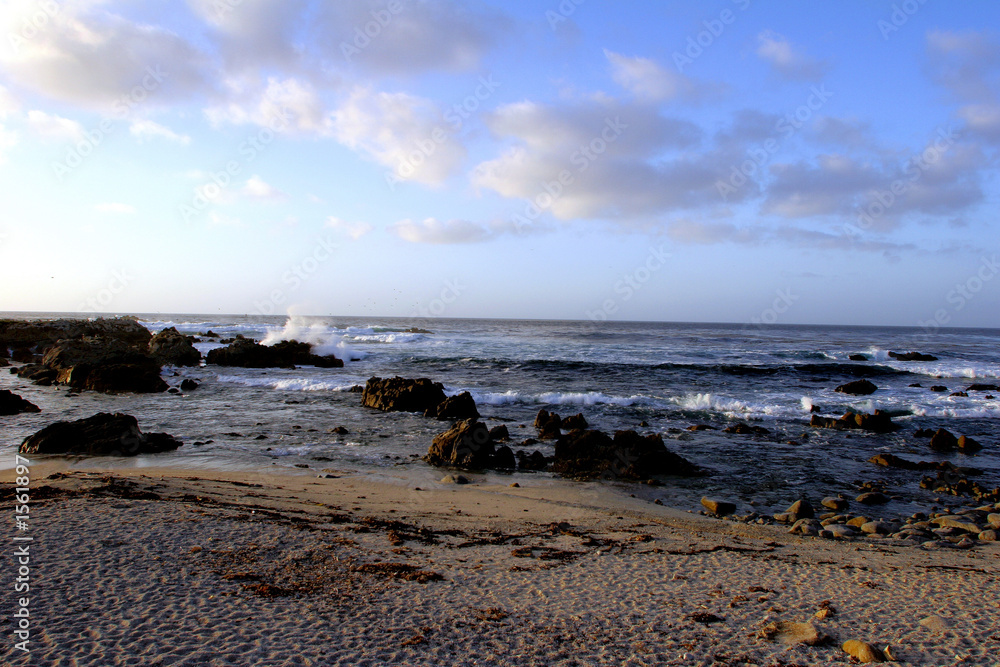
(872, 498)
(720, 507)
(454, 479)
(935, 623)
(790, 632)
(835, 504)
(989, 536)
(841, 531)
(862, 651)
(878, 528)
(994, 520)
(858, 521)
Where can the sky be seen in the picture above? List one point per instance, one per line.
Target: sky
(830, 162)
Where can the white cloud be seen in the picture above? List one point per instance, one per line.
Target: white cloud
(252, 33)
(50, 126)
(434, 231)
(646, 79)
(8, 103)
(87, 55)
(147, 129)
(218, 220)
(115, 207)
(402, 132)
(982, 119)
(785, 58)
(355, 230)
(283, 104)
(256, 188)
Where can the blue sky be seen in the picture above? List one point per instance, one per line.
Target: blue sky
(736, 160)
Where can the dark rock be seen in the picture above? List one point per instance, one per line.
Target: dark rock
(872, 498)
(356, 389)
(878, 422)
(467, 445)
(982, 387)
(893, 461)
(41, 333)
(171, 347)
(460, 406)
(923, 433)
(99, 364)
(700, 427)
(591, 453)
(915, 384)
(549, 425)
(339, 430)
(12, 404)
(939, 388)
(959, 394)
(912, 356)
(499, 433)
(858, 357)
(402, 395)
(574, 422)
(210, 334)
(189, 385)
(247, 353)
(173, 390)
(534, 461)
(968, 445)
(719, 507)
(857, 388)
(943, 441)
(4, 362)
(103, 434)
(22, 355)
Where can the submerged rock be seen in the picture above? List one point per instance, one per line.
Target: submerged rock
(12, 404)
(912, 356)
(103, 434)
(857, 388)
(398, 394)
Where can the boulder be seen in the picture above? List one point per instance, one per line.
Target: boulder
(590, 453)
(967, 445)
(22, 355)
(187, 384)
(100, 364)
(835, 504)
(982, 387)
(877, 422)
(862, 651)
(857, 357)
(247, 353)
(460, 406)
(467, 445)
(534, 461)
(574, 422)
(548, 424)
(939, 388)
(912, 356)
(943, 441)
(499, 433)
(857, 388)
(746, 429)
(104, 434)
(402, 395)
(173, 348)
(872, 498)
(38, 334)
(801, 509)
(719, 507)
(12, 404)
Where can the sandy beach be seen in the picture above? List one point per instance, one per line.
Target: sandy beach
(163, 567)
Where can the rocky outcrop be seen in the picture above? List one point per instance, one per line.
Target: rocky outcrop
(247, 353)
(944, 441)
(173, 348)
(548, 424)
(98, 364)
(912, 356)
(857, 388)
(574, 422)
(467, 445)
(878, 422)
(104, 434)
(12, 404)
(38, 334)
(403, 395)
(592, 453)
(460, 406)
(743, 428)
(857, 357)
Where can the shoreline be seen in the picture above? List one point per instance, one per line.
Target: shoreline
(347, 568)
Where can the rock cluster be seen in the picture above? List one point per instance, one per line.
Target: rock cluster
(39, 334)
(468, 445)
(247, 353)
(550, 425)
(173, 348)
(590, 453)
(12, 404)
(103, 434)
(877, 422)
(99, 364)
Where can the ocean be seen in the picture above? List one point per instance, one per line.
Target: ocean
(618, 374)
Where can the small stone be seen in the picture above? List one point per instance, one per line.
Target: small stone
(872, 498)
(935, 623)
(957, 524)
(841, 531)
(862, 651)
(968, 445)
(858, 521)
(835, 504)
(196, 549)
(801, 509)
(719, 507)
(989, 536)
(454, 479)
(515, 485)
(877, 528)
(789, 632)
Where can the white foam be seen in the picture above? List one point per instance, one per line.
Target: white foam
(325, 340)
(587, 398)
(807, 403)
(287, 384)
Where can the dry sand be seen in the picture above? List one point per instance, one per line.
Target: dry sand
(158, 567)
